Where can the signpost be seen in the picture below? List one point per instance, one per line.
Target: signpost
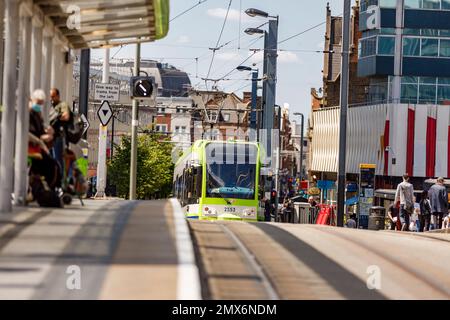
(104, 113)
(106, 91)
(366, 193)
(86, 124)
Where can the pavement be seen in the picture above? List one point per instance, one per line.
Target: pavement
(146, 250)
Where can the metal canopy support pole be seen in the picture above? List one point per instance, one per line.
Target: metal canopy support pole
(55, 64)
(69, 79)
(343, 113)
(47, 53)
(253, 120)
(23, 115)
(102, 137)
(134, 128)
(271, 47)
(36, 54)
(84, 83)
(9, 103)
(2, 17)
(301, 147)
(398, 58)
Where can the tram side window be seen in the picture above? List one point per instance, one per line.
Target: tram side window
(195, 185)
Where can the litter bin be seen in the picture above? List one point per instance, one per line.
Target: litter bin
(377, 217)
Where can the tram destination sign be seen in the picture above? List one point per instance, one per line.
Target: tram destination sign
(106, 91)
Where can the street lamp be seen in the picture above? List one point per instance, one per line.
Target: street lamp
(301, 144)
(269, 72)
(252, 12)
(253, 116)
(252, 31)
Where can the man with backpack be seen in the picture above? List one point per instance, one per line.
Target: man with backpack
(404, 197)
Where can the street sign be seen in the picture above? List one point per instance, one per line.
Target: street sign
(86, 124)
(105, 113)
(106, 91)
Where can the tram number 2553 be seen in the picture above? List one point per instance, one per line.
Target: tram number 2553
(230, 209)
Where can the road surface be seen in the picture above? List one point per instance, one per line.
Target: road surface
(117, 249)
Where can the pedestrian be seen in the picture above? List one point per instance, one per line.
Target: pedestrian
(59, 118)
(446, 222)
(439, 201)
(404, 197)
(312, 202)
(414, 224)
(425, 212)
(267, 210)
(351, 222)
(393, 217)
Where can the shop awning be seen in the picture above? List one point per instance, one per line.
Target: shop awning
(107, 23)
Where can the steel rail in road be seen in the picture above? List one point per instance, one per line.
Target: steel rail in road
(253, 263)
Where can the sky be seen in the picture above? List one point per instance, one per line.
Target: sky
(193, 33)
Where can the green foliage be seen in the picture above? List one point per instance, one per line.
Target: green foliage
(154, 167)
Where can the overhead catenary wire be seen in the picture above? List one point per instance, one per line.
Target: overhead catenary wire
(187, 10)
(220, 37)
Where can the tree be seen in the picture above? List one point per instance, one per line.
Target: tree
(154, 167)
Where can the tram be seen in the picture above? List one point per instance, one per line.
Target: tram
(219, 180)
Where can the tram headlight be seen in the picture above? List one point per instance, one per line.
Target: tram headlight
(249, 213)
(208, 211)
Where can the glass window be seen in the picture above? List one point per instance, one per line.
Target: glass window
(388, 3)
(409, 93)
(387, 31)
(427, 94)
(427, 80)
(411, 80)
(411, 32)
(445, 4)
(386, 45)
(368, 47)
(444, 33)
(444, 50)
(230, 178)
(431, 4)
(430, 47)
(443, 95)
(444, 81)
(411, 46)
(367, 3)
(413, 4)
(430, 32)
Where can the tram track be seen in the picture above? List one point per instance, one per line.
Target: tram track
(403, 265)
(253, 263)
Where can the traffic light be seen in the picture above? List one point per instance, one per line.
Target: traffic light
(143, 88)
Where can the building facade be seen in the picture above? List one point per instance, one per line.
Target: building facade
(404, 126)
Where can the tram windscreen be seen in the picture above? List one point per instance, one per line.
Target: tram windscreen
(231, 170)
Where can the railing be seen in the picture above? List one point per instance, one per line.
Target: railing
(305, 214)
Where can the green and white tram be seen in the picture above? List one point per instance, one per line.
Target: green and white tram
(219, 180)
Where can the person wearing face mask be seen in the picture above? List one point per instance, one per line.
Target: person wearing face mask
(40, 138)
(37, 127)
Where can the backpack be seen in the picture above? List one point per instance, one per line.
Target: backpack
(74, 129)
(44, 196)
(409, 206)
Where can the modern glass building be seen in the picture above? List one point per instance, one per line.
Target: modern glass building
(405, 49)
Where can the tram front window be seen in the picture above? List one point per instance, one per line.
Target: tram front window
(231, 171)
